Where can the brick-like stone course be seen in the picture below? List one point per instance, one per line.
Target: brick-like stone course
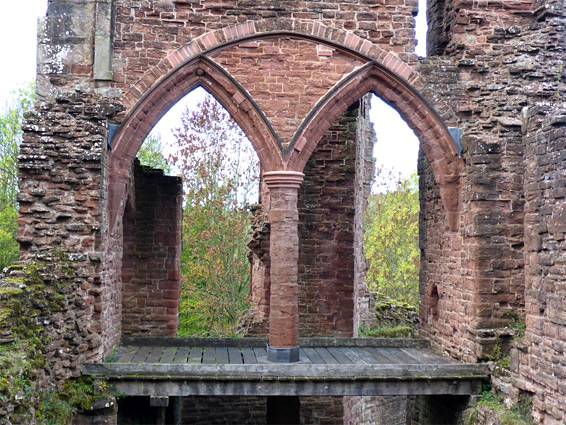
(286, 90)
(498, 65)
(490, 222)
(538, 362)
(151, 265)
(326, 217)
(62, 193)
(376, 410)
(224, 410)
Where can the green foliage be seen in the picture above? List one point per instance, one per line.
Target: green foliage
(519, 327)
(24, 299)
(496, 354)
(559, 72)
(10, 139)
(151, 154)
(518, 414)
(392, 332)
(219, 171)
(392, 242)
(394, 319)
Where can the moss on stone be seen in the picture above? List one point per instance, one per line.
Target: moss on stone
(10, 291)
(491, 409)
(394, 319)
(30, 295)
(393, 332)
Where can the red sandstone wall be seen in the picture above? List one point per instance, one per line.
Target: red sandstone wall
(498, 58)
(152, 255)
(445, 309)
(376, 410)
(298, 84)
(326, 221)
(495, 73)
(331, 205)
(156, 28)
(487, 75)
(364, 309)
(538, 361)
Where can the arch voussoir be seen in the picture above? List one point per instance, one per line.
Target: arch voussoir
(436, 140)
(162, 97)
(388, 77)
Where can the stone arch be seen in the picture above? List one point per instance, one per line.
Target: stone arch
(385, 75)
(430, 128)
(219, 38)
(148, 111)
(316, 31)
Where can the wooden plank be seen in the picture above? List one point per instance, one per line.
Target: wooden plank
(313, 356)
(260, 352)
(129, 354)
(419, 358)
(430, 356)
(168, 355)
(296, 388)
(339, 355)
(249, 356)
(400, 357)
(209, 355)
(364, 355)
(379, 355)
(181, 355)
(155, 354)
(195, 357)
(325, 355)
(391, 354)
(286, 371)
(304, 357)
(352, 356)
(141, 355)
(235, 355)
(222, 355)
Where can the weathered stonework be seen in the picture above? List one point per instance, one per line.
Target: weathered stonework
(151, 262)
(491, 219)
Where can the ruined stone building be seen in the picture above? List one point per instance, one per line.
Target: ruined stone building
(487, 104)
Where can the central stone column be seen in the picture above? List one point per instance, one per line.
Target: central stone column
(284, 250)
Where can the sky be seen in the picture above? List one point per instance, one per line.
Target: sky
(396, 149)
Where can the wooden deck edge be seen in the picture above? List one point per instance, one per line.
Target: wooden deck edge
(262, 342)
(167, 388)
(263, 372)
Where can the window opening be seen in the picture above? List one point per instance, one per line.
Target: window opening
(391, 241)
(199, 141)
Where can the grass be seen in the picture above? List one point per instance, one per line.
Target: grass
(518, 414)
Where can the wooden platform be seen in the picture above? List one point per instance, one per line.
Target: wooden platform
(329, 366)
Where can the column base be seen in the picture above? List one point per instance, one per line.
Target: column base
(282, 355)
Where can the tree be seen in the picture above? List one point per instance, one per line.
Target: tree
(10, 139)
(220, 173)
(392, 242)
(151, 153)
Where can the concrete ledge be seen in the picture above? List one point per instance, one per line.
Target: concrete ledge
(262, 342)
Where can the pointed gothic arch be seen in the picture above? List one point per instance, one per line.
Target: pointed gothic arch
(149, 110)
(420, 116)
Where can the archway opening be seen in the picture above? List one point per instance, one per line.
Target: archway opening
(391, 227)
(185, 237)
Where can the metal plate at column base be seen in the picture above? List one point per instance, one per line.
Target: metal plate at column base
(282, 355)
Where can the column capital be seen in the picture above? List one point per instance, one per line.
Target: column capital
(287, 179)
